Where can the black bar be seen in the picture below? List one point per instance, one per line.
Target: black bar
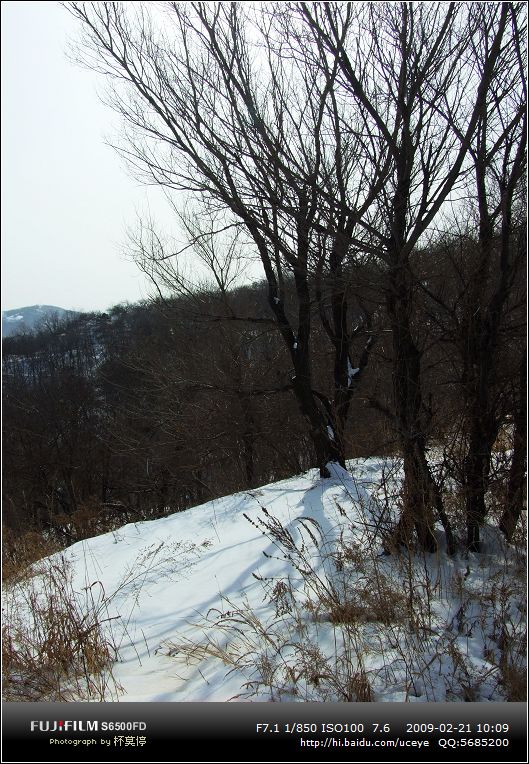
(263, 732)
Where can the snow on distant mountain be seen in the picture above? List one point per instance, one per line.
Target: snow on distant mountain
(26, 319)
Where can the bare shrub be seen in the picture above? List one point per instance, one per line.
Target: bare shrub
(59, 643)
(55, 647)
(20, 551)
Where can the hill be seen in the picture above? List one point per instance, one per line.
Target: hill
(26, 319)
(278, 594)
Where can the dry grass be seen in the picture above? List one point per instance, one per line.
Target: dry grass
(55, 647)
(59, 643)
(345, 623)
(350, 624)
(20, 551)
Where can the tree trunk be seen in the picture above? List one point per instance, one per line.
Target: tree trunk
(516, 490)
(482, 423)
(316, 408)
(417, 514)
(476, 475)
(417, 494)
(327, 447)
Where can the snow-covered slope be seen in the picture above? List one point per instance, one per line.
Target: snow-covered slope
(28, 318)
(282, 593)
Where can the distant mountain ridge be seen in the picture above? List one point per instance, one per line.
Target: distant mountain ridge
(26, 319)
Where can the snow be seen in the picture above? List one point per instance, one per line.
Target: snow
(351, 373)
(209, 605)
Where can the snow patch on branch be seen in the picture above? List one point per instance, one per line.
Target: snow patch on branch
(351, 372)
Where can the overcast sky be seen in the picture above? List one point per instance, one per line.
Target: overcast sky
(67, 198)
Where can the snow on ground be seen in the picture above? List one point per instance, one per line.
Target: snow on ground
(282, 593)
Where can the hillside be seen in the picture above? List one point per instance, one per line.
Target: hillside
(282, 593)
(27, 319)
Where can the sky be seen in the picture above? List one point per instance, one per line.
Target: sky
(67, 198)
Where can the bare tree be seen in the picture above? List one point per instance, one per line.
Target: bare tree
(479, 302)
(407, 67)
(324, 133)
(216, 105)
(498, 153)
